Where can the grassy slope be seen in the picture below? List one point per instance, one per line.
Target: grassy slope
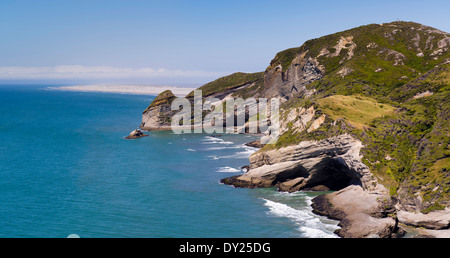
(229, 82)
(407, 148)
(359, 111)
(366, 61)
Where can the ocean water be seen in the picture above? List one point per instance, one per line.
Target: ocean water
(65, 169)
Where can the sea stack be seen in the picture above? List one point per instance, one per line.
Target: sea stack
(136, 134)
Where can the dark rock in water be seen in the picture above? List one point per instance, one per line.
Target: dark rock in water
(245, 168)
(136, 134)
(255, 144)
(236, 182)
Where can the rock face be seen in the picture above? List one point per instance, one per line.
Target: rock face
(330, 164)
(159, 114)
(362, 214)
(361, 204)
(434, 220)
(298, 119)
(301, 72)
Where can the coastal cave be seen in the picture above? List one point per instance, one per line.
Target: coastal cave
(333, 173)
(329, 174)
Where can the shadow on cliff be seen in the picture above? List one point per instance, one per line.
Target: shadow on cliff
(332, 173)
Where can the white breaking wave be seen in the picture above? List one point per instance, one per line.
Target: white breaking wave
(228, 170)
(224, 148)
(238, 155)
(248, 151)
(245, 153)
(309, 224)
(212, 140)
(190, 150)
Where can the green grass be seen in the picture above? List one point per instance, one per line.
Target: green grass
(359, 111)
(366, 60)
(229, 82)
(165, 97)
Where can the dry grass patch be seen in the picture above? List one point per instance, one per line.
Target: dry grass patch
(357, 110)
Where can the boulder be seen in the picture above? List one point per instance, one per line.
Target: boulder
(362, 214)
(434, 220)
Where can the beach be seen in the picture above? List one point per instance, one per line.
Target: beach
(126, 89)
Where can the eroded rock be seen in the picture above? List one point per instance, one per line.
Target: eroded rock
(332, 163)
(136, 134)
(362, 214)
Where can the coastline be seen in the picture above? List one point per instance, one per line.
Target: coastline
(125, 89)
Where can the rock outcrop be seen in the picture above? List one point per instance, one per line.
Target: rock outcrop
(136, 134)
(286, 84)
(363, 207)
(436, 220)
(330, 164)
(159, 114)
(362, 214)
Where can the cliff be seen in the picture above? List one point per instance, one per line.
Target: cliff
(365, 113)
(158, 115)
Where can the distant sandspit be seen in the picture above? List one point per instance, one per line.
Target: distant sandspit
(126, 89)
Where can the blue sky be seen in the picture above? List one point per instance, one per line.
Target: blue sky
(175, 42)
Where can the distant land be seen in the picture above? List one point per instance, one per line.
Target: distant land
(126, 89)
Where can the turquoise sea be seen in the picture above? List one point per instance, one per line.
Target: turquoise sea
(65, 168)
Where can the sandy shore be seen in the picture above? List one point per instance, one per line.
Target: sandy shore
(127, 89)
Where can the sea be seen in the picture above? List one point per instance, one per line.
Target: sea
(66, 170)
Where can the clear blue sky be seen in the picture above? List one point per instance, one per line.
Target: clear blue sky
(177, 41)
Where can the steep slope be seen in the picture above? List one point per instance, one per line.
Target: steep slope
(371, 60)
(375, 80)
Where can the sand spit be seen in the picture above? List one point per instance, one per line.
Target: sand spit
(126, 89)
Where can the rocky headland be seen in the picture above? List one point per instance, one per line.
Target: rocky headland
(365, 114)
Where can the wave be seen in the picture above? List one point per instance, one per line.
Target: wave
(248, 151)
(308, 223)
(212, 140)
(245, 154)
(190, 150)
(223, 148)
(228, 170)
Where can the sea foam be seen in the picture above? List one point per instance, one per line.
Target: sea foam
(228, 170)
(308, 224)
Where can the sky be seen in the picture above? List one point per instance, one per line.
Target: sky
(175, 42)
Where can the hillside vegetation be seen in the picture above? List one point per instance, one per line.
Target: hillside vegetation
(389, 86)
